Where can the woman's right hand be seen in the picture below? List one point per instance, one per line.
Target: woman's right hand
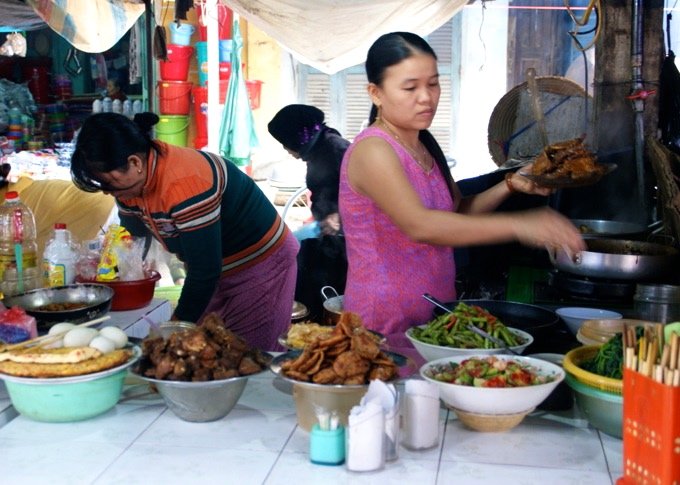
(547, 228)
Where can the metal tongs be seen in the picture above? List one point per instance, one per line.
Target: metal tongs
(477, 330)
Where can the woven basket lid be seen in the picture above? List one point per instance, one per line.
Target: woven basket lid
(512, 128)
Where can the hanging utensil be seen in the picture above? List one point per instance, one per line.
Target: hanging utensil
(478, 331)
(72, 63)
(536, 105)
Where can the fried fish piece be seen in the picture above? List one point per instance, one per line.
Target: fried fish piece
(64, 355)
(350, 363)
(90, 366)
(364, 346)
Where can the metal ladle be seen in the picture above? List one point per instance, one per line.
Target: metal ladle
(477, 330)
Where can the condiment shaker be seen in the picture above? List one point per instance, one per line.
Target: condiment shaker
(420, 415)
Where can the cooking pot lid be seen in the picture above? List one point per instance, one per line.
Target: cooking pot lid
(299, 310)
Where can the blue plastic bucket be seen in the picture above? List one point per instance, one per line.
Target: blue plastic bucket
(181, 34)
(225, 50)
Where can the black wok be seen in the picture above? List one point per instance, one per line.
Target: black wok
(96, 297)
(539, 322)
(595, 228)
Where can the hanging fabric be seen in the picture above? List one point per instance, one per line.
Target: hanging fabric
(237, 131)
(331, 35)
(89, 25)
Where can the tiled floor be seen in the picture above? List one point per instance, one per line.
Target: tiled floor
(259, 442)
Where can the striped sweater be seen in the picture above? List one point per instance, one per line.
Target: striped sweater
(205, 210)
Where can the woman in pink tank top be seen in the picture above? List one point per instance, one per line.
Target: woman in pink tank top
(400, 207)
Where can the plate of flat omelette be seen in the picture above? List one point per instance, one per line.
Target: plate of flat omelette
(64, 365)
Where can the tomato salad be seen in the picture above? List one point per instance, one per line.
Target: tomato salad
(489, 372)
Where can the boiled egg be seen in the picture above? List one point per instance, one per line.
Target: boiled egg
(58, 328)
(103, 344)
(116, 335)
(80, 337)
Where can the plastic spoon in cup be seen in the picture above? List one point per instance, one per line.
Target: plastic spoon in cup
(478, 331)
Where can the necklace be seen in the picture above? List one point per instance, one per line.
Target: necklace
(424, 164)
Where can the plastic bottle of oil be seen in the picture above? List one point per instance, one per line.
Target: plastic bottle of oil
(59, 260)
(18, 247)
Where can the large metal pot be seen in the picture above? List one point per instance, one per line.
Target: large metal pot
(332, 305)
(595, 228)
(618, 259)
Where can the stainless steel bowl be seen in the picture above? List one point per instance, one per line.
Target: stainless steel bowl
(97, 299)
(201, 402)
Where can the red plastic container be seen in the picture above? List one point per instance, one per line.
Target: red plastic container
(174, 97)
(130, 295)
(37, 78)
(200, 94)
(200, 142)
(651, 431)
(254, 93)
(176, 68)
(225, 71)
(225, 18)
(201, 111)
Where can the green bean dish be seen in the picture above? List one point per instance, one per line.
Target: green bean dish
(451, 329)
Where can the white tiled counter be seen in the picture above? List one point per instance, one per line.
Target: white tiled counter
(141, 442)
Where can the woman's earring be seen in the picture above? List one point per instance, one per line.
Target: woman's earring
(139, 170)
(377, 116)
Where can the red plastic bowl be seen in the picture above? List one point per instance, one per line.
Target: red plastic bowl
(131, 295)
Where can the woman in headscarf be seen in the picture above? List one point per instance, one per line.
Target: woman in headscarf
(302, 132)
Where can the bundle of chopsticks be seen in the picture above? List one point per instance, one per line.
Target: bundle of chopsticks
(651, 356)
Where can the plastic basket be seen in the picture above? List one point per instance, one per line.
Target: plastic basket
(651, 431)
(576, 357)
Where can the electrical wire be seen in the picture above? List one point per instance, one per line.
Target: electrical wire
(594, 5)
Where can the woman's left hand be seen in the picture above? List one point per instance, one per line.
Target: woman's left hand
(526, 186)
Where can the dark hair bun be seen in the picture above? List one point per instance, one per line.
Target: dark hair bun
(146, 120)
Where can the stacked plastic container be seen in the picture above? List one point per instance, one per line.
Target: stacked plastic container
(173, 89)
(225, 20)
(62, 87)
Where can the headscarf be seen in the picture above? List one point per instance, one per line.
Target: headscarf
(296, 126)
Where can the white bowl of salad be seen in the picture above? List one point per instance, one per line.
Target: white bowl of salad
(493, 384)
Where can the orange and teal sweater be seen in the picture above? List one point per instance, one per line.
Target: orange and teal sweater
(209, 213)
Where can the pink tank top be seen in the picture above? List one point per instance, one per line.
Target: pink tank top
(388, 272)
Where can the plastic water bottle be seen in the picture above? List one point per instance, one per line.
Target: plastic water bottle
(59, 262)
(136, 107)
(18, 246)
(97, 106)
(127, 108)
(117, 106)
(107, 105)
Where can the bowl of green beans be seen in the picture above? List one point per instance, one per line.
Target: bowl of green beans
(449, 335)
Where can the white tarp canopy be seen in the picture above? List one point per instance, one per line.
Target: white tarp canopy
(331, 35)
